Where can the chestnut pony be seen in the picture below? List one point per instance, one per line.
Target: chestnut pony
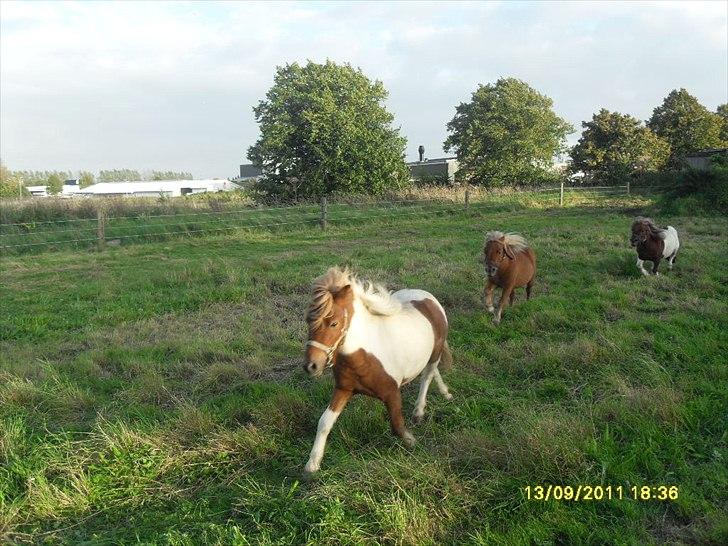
(653, 244)
(509, 263)
(375, 342)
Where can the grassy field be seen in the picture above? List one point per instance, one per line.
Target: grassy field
(153, 393)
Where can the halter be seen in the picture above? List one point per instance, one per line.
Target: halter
(330, 350)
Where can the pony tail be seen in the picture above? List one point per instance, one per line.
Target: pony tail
(445, 357)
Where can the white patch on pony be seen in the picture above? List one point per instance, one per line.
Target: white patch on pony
(672, 243)
(641, 268)
(403, 341)
(325, 424)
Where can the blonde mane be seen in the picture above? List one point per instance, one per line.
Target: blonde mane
(375, 298)
(512, 240)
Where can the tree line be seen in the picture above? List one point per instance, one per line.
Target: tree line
(14, 183)
(324, 128)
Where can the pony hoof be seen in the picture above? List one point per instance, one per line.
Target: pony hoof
(417, 418)
(309, 470)
(496, 320)
(448, 396)
(409, 440)
(491, 309)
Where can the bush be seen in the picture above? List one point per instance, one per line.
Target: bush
(699, 190)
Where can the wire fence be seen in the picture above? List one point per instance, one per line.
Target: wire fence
(101, 231)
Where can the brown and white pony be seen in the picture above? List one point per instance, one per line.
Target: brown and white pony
(653, 244)
(375, 342)
(509, 263)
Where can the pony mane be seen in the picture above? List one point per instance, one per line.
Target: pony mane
(654, 229)
(375, 298)
(516, 242)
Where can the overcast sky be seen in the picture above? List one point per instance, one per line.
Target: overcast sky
(172, 85)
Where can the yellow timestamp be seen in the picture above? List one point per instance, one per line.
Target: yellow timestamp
(587, 493)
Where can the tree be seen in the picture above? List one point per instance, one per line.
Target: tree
(85, 179)
(170, 175)
(11, 184)
(686, 125)
(722, 111)
(118, 175)
(507, 134)
(323, 128)
(613, 146)
(54, 183)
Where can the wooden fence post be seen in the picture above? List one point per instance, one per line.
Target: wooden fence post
(561, 195)
(324, 212)
(101, 228)
(467, 197)
(628, 186)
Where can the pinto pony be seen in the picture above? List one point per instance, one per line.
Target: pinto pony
(509, 263)
(653, 244)
(375, 342)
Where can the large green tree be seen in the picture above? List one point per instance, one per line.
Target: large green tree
(722, 111)
(324, 128)
(613, 146)
(686, 125)
(507, 134)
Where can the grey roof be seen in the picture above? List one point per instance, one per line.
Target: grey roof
(433, 161)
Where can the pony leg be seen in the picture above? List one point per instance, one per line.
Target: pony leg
(394, 408)
(528, 290)
(489, 287)
(513, 297)
(655, 265)
(325, 424)
(671, 261)
(419, 412)
(641, 267)
(505, 296)
(441, 386)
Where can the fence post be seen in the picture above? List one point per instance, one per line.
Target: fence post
(101, 227)
(467, 197)
(628, 186)
(324, 212)
(561, 195)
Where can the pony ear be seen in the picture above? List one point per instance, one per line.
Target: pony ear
(509, 252)
(345, 295)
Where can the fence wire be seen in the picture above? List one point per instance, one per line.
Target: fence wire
(25, 235)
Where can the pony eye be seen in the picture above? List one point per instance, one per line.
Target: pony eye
(333, 324)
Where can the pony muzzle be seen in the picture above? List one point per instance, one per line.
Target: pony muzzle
(318, 357)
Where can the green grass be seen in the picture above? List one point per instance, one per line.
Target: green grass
(153, 393)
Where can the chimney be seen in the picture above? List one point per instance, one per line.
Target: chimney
(421, 149)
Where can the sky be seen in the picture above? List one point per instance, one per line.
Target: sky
(172, 85)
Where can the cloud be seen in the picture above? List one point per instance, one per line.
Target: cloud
(172, 85)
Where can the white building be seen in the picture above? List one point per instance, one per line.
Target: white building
(37, 191)
(156, 188)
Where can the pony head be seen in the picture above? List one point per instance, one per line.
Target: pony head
(501, 246)
(328, 317)
(644, 229)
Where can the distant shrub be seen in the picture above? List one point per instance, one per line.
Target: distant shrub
(699, 190)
